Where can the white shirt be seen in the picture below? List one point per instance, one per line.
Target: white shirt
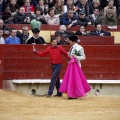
(80, 50)
(2, 41)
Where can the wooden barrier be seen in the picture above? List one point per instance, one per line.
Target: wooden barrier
(56, 27)
(1, 65)
(19, 62)
(94, 40)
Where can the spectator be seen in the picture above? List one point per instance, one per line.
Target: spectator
(69, 6)
(81, 31)
(51, 3)
(83, 5)
(59, 7)
(21, 17)
(96, 4)
(2, 41)
(13, 7)
(58, 38)
(95, 17)
(25, 35)
(4, 28)
(12, 39)
(36, 38)
(51, 18)
(7, 16)
(1, 7)
(38, 15)
(109, 19)
(64, 32)
(68, 19)
(82, 19)
(43, 6)
(29, 8)
(99, 31)
(110, 6)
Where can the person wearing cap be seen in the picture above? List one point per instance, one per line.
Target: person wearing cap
(36, 38)
(55, 52)
(109, 19)
(82, 19)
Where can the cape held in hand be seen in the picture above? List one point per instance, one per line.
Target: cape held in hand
(74, 82)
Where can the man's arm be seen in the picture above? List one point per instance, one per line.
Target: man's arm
(45, 52)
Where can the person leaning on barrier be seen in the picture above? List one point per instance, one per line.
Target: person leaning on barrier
(64, 32)
(99, 32)
(58, 38)
(36, 38)
(12, 39)
(24, 35)
(82, 31)
(2, 41)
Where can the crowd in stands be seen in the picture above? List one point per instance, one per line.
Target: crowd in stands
(59, 12)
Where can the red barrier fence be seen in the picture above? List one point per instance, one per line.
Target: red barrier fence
(56, 27)
(19, 62)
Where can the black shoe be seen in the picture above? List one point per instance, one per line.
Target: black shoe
(70, 98)
(57, 95)
(47, 95)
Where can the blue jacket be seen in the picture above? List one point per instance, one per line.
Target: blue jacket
(65, 21)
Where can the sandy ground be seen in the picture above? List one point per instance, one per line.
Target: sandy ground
(16, 106)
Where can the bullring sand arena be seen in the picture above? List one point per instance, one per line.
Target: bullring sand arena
(17, 106)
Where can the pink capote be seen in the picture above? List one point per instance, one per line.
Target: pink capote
(74, 82)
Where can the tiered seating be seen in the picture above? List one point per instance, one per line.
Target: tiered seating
(48, 30)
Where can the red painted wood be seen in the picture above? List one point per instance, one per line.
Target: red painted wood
(1, 65)
(56, 27)
(94, 40)
(103, 62)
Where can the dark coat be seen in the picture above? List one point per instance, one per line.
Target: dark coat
(96, 33)
(19, 18)
(64, 20)
(40, 40)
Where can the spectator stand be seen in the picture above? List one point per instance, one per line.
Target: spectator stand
(48, 30)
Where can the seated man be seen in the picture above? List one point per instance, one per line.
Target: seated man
(109, 19)
(58, 38)
(2, 41)
(99, 31)
(68, 19)
(21, 17)
(82, 19)
(24, 36)
(36, 38)
(12, 39)
(64, 32)
(5, 29)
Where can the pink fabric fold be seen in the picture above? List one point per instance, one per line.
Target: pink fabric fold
(74, 82)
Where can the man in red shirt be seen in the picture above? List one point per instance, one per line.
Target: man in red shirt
(55, 51)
